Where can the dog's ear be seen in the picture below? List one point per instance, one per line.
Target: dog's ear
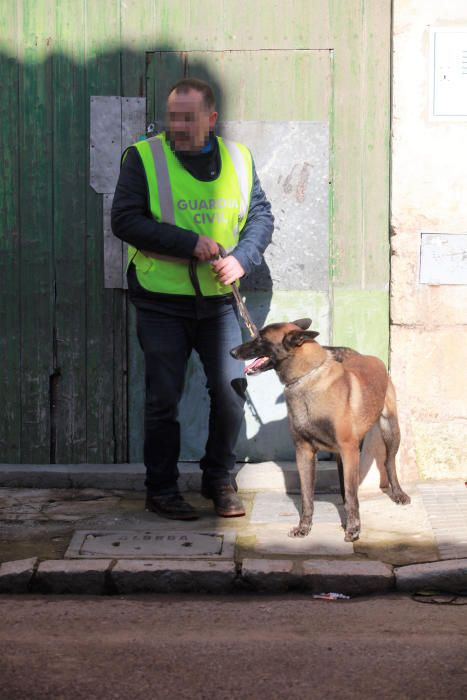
(294, 339)
(303, 323)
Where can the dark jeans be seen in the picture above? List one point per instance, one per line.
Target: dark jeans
(167, 342)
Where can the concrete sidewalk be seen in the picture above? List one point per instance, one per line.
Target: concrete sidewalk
(83, 529)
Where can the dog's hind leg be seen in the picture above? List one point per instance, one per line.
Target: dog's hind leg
(351, 467)
(306, 465)
(389, 426)
(340, 471)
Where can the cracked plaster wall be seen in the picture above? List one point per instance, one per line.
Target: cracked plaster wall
(428, 322)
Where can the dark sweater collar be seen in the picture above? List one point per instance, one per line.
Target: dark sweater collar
(203, 165)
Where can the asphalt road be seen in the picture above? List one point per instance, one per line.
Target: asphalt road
(230, 647)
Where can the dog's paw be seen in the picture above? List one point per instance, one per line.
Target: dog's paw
(300, 530)
(352, 529)
(400, 498)
(352, 534)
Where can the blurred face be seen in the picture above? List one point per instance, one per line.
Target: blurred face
(189, 121)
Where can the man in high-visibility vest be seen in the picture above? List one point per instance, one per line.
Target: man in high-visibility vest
(180, 195)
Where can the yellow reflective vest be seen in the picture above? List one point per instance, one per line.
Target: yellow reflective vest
(217, 209)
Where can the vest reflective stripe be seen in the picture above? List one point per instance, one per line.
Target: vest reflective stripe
(242, 174)
(216, 208)
(163, 182)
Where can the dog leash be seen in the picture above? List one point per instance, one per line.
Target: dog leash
(240, 303)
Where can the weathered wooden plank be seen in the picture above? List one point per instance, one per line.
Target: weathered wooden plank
(361, 137)
(268, 24)
(10, 317)
(36, 204)
(172, 19)
(361, 320)
(281, 85)
(276, 24)
(346, 26)
(10, 38)
(135, 391)
(120, 377)
(138, 37)
(164, 69)
(104, 308)
(69, 250)
(375, 143)
(360, 127)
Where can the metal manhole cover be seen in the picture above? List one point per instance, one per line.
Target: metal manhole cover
(150, 544)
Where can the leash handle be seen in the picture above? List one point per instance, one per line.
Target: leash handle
(253, 331)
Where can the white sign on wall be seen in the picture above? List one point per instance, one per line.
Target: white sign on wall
(443, 258)
(448, 82)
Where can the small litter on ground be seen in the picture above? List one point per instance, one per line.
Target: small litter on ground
(331, 596)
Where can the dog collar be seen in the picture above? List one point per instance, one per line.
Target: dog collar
(294, 382)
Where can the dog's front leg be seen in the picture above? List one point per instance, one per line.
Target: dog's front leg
(306, 465)
(350, 454)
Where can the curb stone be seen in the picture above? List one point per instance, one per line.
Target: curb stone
(107, 576)
(15, 576)
(272, 575)
(166, 576)
(449, 576)
(319, 575)
(84, 576)
(349, 577)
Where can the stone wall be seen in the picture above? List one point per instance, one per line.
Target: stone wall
(429, 195)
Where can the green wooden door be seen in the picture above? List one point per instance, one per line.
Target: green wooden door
(63, 335)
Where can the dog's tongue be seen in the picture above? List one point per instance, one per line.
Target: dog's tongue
(252, 366)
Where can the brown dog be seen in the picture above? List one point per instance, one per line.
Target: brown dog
(334, 396)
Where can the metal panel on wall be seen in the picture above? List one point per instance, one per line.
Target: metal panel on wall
(116, 122)
(292, 161)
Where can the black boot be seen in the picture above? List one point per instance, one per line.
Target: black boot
(171, 505)
(227, 503)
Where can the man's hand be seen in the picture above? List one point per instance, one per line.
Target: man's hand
(228, 269)
(205, 248)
